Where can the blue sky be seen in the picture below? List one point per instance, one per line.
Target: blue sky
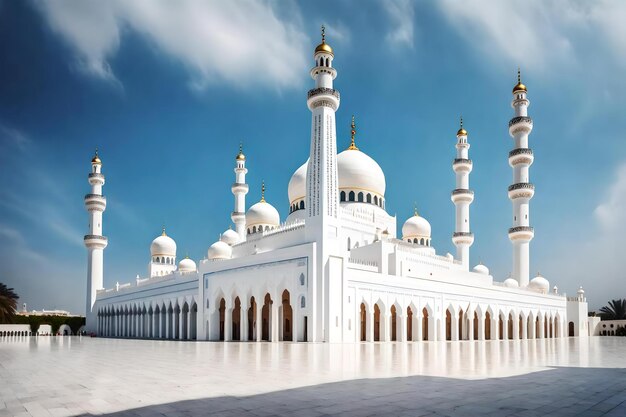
(168, 92)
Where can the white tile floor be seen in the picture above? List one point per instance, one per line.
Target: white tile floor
(56, 376)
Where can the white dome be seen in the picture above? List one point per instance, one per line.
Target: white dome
(357, 171)
(219, 250)
(416, 226)
(511, 283)
(580, 291)
(262, 213)
(187, 265)
(539, 283)
(230, 237)
(163, 245)
(481, 269)
(297, 184)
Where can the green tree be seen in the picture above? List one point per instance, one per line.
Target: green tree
(616, 310)
(8, 303)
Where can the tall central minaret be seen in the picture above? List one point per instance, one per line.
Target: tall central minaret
(521, 191)
(462, 197)
(95, 203)
(240, 189)
(322, 197)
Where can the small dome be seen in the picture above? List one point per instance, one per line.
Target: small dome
(219, 250)
(539, 283)
(357, 171)
(416, 226)
(519, 87)
(187, 265)
(461, 132)
(481, 269)
(163, 245)
(580, 291)
(96, 159)
(324, 48)
(297, 184)
(262, 213)
(230, 237)
(511, 283)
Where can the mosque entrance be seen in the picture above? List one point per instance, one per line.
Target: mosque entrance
(287, 317)
(236, 315)
(222, 311)
(448, 325)
(571, 329)
(363, 323)
(252, 320)
(487, 326)
(376, 323)
(394, 321)
(265, 318)
(409, 324)
(475, 326)
(425, 324)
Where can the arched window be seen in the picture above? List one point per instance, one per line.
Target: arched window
(301, 279)
(421, 241)
(342, 196)
(415, 240)
(253, 229)
(302, 302)
(376, 199)
(369, 198)
(267, 228)
(360, 197)
(302, 204)
(248, 230)
(351, 196)
(157, 259)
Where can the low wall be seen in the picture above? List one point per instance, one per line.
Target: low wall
(8, 330)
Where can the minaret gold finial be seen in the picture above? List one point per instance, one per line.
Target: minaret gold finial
(323, 34)
(352, 146)
(461, 131)
(263, 192)
(96, 159)
(519, 86)
(240, 155)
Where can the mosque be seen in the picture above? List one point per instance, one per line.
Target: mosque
(336, 269)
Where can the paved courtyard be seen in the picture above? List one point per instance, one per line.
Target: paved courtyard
(68, 376)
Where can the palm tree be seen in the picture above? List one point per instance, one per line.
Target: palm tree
(616, 310)
(8, 303)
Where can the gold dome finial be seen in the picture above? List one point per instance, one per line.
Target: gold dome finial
(163, 234)
(352, 146)
(461, 131)
(240, 155)
(96, 159)
(263, 191)
(415, 213)
(519, 86)
(324, 47)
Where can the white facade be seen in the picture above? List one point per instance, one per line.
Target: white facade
(336, 270)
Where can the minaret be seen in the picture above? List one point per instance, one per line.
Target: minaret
(322, 196)
(462, 197)
(240, 189)
(521, 191)
(95, 203)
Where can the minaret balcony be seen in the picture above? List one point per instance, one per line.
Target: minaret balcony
(462, 165)
(323, 96)
(95, 202)
(96, 179)
(521, 233)
(463, 238)
(239, 188)
(521, 156)
(522, 124)
(95, 241)
(521, 190)
(462, 195)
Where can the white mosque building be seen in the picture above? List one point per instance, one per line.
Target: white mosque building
(336, 269)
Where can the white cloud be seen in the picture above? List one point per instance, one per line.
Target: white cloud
(538, 34)
(611, 214)
(19, 246)
(14, 137)
(401, 14)
(241, 42)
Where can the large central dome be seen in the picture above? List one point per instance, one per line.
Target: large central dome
(356, 170)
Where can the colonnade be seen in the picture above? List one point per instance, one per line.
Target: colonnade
(165, 320)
